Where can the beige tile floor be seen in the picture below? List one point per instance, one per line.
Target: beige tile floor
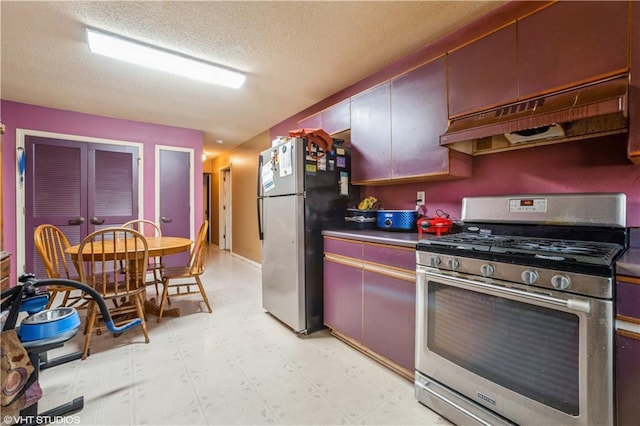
(237, 365)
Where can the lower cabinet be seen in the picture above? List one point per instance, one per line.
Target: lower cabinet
(627, 378)
(627, 361)
(389, 317)
(343, 298)
(369, 299)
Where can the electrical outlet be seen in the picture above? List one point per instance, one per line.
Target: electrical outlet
(420, 198)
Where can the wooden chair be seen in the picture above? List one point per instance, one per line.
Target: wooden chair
(99, 256)
(51, 244)
(149, 229)
(183, 278)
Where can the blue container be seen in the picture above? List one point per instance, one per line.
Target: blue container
(397, 220)
(48, 324)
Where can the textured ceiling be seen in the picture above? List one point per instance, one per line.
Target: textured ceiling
(294, 53)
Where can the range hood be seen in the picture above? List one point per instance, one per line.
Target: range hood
(587, 111)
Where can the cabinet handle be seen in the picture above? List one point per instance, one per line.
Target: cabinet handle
(166, 219)
(97, 221)
(76, 221)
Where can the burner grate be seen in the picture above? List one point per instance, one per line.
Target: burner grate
(596, 253)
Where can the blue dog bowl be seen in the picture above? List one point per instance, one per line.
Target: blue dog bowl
(49, 324)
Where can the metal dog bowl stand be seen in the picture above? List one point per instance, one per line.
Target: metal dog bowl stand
(40, 333)
(38, 355)
(30, 414)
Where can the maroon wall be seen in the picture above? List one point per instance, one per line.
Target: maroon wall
(597, 165)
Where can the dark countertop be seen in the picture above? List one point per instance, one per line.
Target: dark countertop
(404, 239)
(629, 263)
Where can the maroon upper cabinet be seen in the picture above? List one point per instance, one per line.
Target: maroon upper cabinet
(311, 122)
(483, 74)
(336, 118)
(570, 43)
(418, 118)
(371, 135)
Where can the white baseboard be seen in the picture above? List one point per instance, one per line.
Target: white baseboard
(249, 261)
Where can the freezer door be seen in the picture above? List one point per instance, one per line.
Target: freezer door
(282, 169)
(283, 287)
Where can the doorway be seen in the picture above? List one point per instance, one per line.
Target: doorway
(225, 209)
(206, 201)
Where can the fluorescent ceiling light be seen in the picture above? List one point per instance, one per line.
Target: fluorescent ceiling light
(140, 54)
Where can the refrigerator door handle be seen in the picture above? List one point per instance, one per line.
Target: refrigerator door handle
(259, 200)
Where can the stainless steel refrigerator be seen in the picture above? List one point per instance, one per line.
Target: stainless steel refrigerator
(301, 191)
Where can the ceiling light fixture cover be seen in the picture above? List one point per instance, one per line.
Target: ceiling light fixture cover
(152, 57)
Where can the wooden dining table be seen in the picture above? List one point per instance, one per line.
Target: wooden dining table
(158, 246)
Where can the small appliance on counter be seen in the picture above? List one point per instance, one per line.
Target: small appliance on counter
(434, 225)
(441, 224)
(360, 219)
(363, 217)
(397, 220)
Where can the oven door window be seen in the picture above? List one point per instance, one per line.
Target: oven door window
(529, 349)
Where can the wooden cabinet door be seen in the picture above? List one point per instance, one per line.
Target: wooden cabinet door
(627, 379)
(418, 118)
(336, 118)
(570, 43)
(343, 298)
(371, 135)
(389, 320)
(483, 74)
(311, 122)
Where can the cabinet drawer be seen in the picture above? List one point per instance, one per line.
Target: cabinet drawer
(628, 299)
(343, 247)
(397, 257)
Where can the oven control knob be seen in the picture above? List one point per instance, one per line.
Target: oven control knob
(529, 276)
(487, 270)
(435, 261)
(560, 282)
(454, 264)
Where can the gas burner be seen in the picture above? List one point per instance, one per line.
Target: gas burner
(596, 253)
(577, 251)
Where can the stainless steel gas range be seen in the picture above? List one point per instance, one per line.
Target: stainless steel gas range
(515, 316)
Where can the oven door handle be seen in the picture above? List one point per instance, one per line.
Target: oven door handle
(498, 290)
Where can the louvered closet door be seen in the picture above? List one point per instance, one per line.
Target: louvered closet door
(77, 186)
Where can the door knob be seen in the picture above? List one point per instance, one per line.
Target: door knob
(76, 221)
(166, 219)
(97, 221)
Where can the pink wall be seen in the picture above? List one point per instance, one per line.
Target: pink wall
(597, 165)
(30, 117)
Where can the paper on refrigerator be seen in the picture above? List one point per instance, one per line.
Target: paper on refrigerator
(267, 177)
(286, 160)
